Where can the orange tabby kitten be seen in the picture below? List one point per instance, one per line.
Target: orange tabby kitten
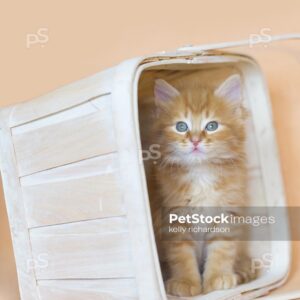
(201, 133)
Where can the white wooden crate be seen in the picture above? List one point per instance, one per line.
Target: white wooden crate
(76, 192)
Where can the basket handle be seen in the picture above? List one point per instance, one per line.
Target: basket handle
(257, 39)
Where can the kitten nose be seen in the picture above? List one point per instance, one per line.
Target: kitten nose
(195, 141)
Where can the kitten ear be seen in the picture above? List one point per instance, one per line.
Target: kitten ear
(230, 89)
(163, 91)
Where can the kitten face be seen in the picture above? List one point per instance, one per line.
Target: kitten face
(198, 124)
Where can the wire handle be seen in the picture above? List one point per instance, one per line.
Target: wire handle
(251, 42)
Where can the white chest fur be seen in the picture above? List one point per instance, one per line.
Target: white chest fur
(202, 186)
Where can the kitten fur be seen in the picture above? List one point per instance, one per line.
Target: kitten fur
(210, 174)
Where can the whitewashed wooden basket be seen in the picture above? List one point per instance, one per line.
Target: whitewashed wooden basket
(76, 192)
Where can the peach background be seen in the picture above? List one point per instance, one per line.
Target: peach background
(88, 36)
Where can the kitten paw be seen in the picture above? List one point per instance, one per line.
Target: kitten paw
(220, 282)
(245, 276)
(182, 287)
(245, 271)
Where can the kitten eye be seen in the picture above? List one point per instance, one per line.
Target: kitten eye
(212, 126)
(181, 126)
